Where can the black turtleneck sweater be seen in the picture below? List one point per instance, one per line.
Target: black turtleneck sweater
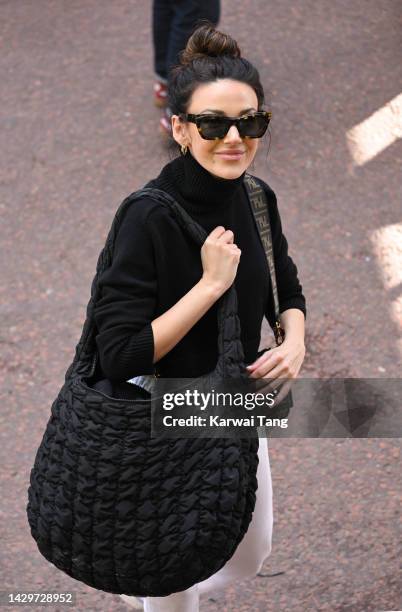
(155, 263)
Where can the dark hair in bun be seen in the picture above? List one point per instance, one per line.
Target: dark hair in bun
(208, 42)
(209, 55)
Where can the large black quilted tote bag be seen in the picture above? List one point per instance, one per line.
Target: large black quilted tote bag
(124, 512)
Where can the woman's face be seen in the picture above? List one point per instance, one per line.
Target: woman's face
(232, 98)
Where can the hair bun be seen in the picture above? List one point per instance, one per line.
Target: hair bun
(205, 41)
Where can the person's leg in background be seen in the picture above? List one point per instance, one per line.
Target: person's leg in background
(256, 544)
(162, 15)
(186, 15)
(183, 19)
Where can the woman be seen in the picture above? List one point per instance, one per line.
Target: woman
(159, 297)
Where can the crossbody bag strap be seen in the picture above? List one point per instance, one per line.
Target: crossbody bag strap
(259, 206)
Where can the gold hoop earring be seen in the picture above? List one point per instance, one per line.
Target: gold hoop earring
(183, 149)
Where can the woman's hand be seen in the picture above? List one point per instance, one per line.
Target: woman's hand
(220, 258)
(283, 361)
(281, 364)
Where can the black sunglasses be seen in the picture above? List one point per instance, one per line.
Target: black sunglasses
(213, 127)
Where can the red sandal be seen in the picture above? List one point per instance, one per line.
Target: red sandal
(165, 123)
(160, 94)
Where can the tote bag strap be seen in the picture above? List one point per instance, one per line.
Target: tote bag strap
(259, 206)
(85, 350)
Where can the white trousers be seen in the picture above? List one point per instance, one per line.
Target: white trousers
(246, 561)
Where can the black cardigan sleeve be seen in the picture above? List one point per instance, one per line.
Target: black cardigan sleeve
(290, 293)
(125, 339)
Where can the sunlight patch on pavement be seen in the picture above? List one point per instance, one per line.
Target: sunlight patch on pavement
(376, 133)
(387, 245)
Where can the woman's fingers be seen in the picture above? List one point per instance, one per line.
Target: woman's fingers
(221, 234)
(220, 258)
(279, 367)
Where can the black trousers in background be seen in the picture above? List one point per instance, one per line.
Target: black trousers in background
(173, 22)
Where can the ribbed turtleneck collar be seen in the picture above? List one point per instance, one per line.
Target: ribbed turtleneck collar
(195, 188)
